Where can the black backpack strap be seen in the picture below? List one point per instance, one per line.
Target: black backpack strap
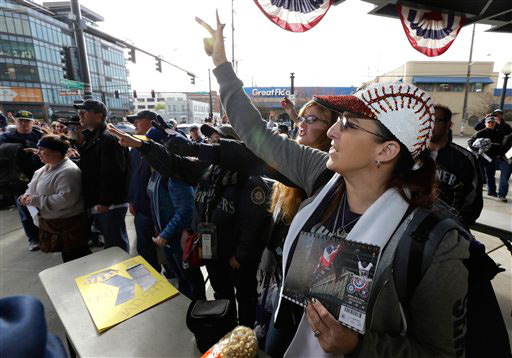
(419, 237)
(416, 249)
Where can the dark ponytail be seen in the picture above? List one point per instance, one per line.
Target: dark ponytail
(420, 182)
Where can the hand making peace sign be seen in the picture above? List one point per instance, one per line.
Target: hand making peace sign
(214, 46)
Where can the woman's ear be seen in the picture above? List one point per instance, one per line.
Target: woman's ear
(388, 151)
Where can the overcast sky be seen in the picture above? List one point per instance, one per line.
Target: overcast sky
(346, 48)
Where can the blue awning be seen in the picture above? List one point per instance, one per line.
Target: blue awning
(499, 91)
(429, 79)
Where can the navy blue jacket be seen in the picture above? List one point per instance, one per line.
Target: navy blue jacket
(140, 171)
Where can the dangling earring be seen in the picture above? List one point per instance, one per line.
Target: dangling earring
(378, 163)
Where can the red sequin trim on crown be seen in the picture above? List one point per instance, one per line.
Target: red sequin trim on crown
(345, 103)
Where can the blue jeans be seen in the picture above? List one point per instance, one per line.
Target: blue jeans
(30, 229)
(506, 170)
(190, 280)
(113, 228)
(145, 230)
(489, 169)
(278, 339)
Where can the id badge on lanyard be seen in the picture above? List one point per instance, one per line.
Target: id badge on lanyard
(208, 235)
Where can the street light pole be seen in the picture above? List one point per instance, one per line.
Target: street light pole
(210, 93)
(466, 87)
(292, 87)
(235, 67)
(507, 69)
(80, 45)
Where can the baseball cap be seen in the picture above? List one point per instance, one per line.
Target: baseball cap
(24, 115)
(144, 114)
(73, 120)
(92, 105)
(194, 126)
(225, 131)
(404, 109)
(497, 111)
(490, 119)
(23, 316)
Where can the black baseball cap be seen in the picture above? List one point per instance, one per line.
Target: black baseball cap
(73, 120)
(225, 131)
(144, 114)
(92, 105)
(26, 115)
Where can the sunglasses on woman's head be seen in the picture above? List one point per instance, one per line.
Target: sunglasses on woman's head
(346, 124)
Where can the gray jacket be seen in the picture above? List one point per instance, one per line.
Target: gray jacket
(437, 308)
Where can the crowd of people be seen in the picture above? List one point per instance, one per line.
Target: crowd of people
(245, 194)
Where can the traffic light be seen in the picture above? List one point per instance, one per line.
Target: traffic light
(116, 93)
(65, 60)
(193, 80)
(134, 94)
(131, 55)
(158, 65)
(153, 93)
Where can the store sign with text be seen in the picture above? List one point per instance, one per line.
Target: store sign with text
(20, 94)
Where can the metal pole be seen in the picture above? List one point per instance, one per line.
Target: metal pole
(292, 78)
(210, 93)
(466, 87)
(82, 52)
(504, 91)
(233, 36)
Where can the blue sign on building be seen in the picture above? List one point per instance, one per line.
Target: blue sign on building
(270, 97)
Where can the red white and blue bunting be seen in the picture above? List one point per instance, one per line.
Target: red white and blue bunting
(294, 15)
(430, 32)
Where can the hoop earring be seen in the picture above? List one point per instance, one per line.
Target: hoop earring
(378, 163)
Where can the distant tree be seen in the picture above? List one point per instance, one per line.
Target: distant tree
(159, 107)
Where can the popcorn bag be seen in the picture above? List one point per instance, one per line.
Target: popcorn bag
(239, 343)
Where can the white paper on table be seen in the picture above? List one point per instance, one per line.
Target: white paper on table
(33, 212)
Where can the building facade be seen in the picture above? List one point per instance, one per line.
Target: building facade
(445, 82)
(39, 68)
(183, 107)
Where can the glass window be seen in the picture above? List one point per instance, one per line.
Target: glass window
(151, 106)
(3, 26)
(26, 27)
(428, 87)
(10, 24)
(450, 87)
(160, 99)
(18, 27)
(151, 100)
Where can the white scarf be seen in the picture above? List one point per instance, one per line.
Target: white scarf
(375, 227)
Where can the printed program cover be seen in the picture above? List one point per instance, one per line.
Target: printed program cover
(339, 273)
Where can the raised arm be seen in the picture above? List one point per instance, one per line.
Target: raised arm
(302, 165)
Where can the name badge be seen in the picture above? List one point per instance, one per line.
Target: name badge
(208, 247)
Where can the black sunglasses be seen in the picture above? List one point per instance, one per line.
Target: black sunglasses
(345, 124)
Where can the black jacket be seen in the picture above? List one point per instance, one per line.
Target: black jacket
(459, 179)
(503, 127)
(27, 163)
(496, 138)
(105, 169)
(241, 211)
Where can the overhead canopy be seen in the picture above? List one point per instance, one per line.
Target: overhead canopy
(497, 13)
(440, 79)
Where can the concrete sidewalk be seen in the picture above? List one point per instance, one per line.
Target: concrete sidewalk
(19, 267)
